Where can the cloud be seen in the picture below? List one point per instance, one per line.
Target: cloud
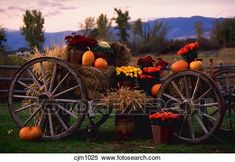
(52, 13)
(67, 8)
(2, 11)
(15, 8)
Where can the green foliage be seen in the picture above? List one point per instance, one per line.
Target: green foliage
(224, 32)
(3, 39)
(123, 24)
(33, 28)
(89, 27)
(12, 60)
(198, 27)
(103, 26)
(137, 30)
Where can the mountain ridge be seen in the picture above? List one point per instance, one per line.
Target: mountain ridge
(179, 28)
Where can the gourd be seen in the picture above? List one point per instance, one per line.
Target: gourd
(155, 88)
(179, 66)
(196, 65)
(30, 133)
(88, 58)
(101, 63)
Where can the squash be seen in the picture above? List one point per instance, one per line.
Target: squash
(179, 66)
(30, 133)
(196, 65)
(155, 88)
(88, 58)
(101, 63)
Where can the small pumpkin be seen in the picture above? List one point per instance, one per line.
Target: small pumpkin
(30, 133)
(155, 88)
(196, 65)
(179, 66)
(88, 58)
(101, 63)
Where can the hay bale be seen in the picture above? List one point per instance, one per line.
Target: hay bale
(121, 56)
(98, 81)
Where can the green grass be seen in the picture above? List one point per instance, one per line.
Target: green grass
(106, 142)
(13, 60)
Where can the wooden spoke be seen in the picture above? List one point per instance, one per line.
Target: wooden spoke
(171, 97)
(35, 112)
(41, 119)
(191, 131)
(227, 82)
(53, 78)
(178, 90)
(67, 111)
(101, 112)
(25, 85)
(33, 77)
(61, 121)
(50, 124)
(68, 100)
(204, 94)
(26, 107)
(201, 124)
(195, 89)
(207, 115)
(60, 83)
(219, 85)
(207, 104)
(182, 125)
(43, 72)
(25, 97)
(186, 86)
(171, 109)
(65, 91)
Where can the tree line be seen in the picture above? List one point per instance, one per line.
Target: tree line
(138, 35)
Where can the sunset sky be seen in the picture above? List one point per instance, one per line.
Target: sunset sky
(63, 15)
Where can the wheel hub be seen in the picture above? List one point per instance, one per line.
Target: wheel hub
(48, 103)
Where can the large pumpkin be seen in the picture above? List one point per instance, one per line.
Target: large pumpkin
(30, 133)
(196, 65)
(88, 58)
(101, 63)
(155, 89)
(179, 66)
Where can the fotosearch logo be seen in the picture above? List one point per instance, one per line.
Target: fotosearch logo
(132, 107)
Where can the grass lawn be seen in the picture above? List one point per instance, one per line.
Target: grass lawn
(106, 142)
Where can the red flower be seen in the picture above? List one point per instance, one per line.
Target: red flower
(163, 116)
(187, 48)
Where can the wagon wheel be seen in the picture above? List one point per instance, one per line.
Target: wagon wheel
(196, 98)
(50, 101)
(225, 79)
(98, 113)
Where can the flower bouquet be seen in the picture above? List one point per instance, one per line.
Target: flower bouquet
(126, 75)
(162, 126)
(149, 77)
(78, 44)
(189, 52)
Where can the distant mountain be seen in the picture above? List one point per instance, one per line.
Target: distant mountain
(179, 28)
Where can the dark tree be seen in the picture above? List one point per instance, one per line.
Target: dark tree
(103, 27)
(123, 24)
(3, 39)
(33, 28)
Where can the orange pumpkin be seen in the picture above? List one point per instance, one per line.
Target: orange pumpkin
(30, 133)
(196, 65)
(155, 89)
(179, 66)
(88, 58)
(101, 63)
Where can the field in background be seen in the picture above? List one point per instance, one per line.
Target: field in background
(225, 56)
